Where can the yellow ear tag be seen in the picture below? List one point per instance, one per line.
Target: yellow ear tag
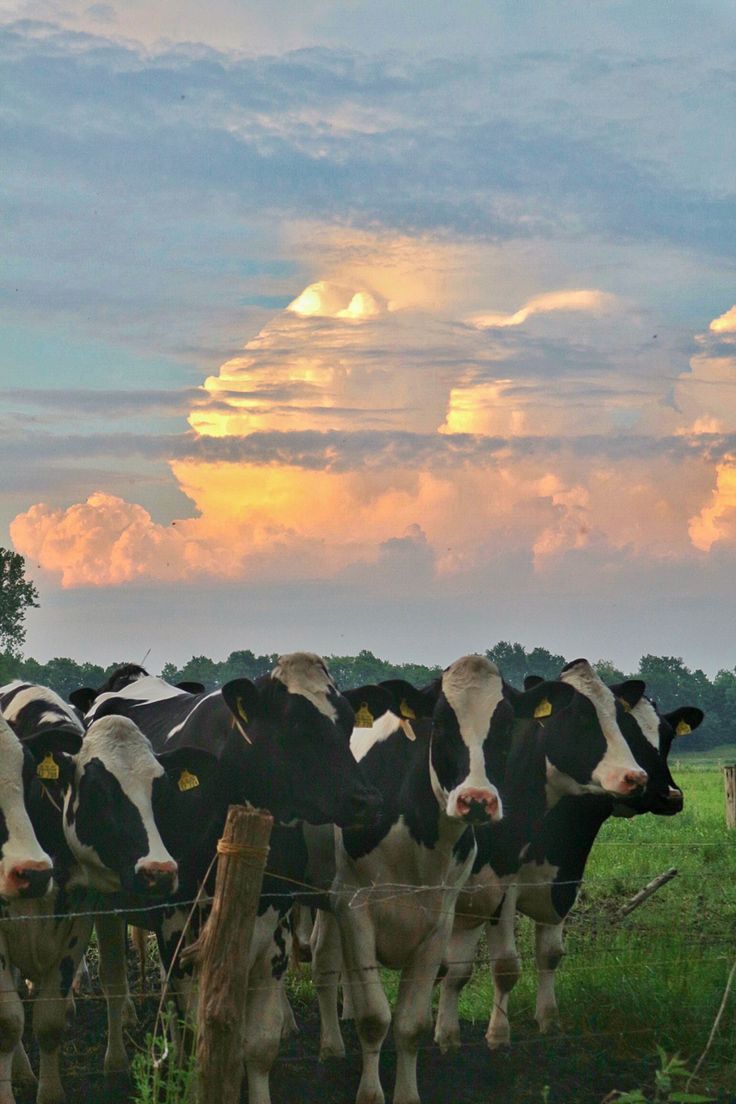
(48, 768)
(407, 711)
(544, 709)
(188, 781)
(624, 705)
(682, 729)
(241, 711)
(364, 717)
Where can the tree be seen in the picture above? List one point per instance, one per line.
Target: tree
(17, 594)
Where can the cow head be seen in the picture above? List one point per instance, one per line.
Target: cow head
(472, 732)
(109, 821)
(25, 868)
(297, 726)
(599, 760)
(650, 735)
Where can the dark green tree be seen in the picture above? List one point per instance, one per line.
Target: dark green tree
(17, 594)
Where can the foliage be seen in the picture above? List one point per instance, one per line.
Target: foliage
(157, 1077)
(672, 1072)
(17, 594)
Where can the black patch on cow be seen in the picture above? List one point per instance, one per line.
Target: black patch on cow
(66, 974)
(280, 961)
(108, 822)
(73, 942)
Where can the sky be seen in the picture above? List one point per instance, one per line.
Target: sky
(347, 325)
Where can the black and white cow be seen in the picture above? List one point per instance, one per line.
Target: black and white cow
(280, 744)
(540, 875)
(93, 791)
(397, 881)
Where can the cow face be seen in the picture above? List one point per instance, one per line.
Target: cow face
(601, 760)
(298, 726)
(25, 868)
(650, 735)
(471, 736)
(109, 821)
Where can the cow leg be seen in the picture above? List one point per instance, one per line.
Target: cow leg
(114, 982)
(459, 958)
(264, 1012)
(11, 1025)
(549, 950)
(370, 1006)
(326, 963)
(505, 970)
(51, 1012)
(289, 1027)
(413, 1012)
(22, 1072)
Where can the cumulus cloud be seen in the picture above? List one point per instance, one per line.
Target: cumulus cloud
(725, 323)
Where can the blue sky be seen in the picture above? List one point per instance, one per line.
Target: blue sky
(315, 313)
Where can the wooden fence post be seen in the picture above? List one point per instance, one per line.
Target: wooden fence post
(729, 778)
(223, 955)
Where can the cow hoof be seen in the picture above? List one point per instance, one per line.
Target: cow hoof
(448, 1040)
(548, 1024)
(50, 1095)
(331, 1050)
(497, 1041)
(116, 1066)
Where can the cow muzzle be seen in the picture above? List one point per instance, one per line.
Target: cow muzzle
(625, 783)
(156, 879)
(30, 879)
(477, 806)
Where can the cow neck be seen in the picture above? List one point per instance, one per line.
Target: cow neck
(45, 805)
(565, 839)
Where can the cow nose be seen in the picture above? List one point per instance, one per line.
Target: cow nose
(634, 780)
(30, 880)
(478, 806)
(675, 799)
(159, 878)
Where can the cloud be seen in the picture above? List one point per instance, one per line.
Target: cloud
(583, 299)
(725, 323)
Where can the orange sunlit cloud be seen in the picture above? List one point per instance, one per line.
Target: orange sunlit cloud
(349, 357)
(725, 323)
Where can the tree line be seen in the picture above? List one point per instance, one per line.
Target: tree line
(669, 681)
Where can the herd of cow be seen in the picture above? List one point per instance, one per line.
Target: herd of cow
(406, 823)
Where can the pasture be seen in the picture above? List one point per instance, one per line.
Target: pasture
(626, 986)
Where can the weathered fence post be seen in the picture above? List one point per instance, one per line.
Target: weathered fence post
(223, 954)
(729, 778)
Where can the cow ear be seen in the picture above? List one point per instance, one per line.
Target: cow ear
(54, 740)
(191, 687)
(188, 767)
(685, 719)
(243, 699)
(368, 704)
(83, 698)
(629, 693)
(410, 703)
(531, 681)
(541, 700)
(50, 764)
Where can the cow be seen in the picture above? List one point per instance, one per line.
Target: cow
(543, 877)
(281, 744)
(397, 880)
(93, 792)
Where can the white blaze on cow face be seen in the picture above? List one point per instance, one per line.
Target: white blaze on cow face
(473, 689)
(130, 849)
(617, 772)
(305, 673)
(22, 859)
(148, 688)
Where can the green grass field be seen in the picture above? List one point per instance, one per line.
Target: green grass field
(656, 977)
